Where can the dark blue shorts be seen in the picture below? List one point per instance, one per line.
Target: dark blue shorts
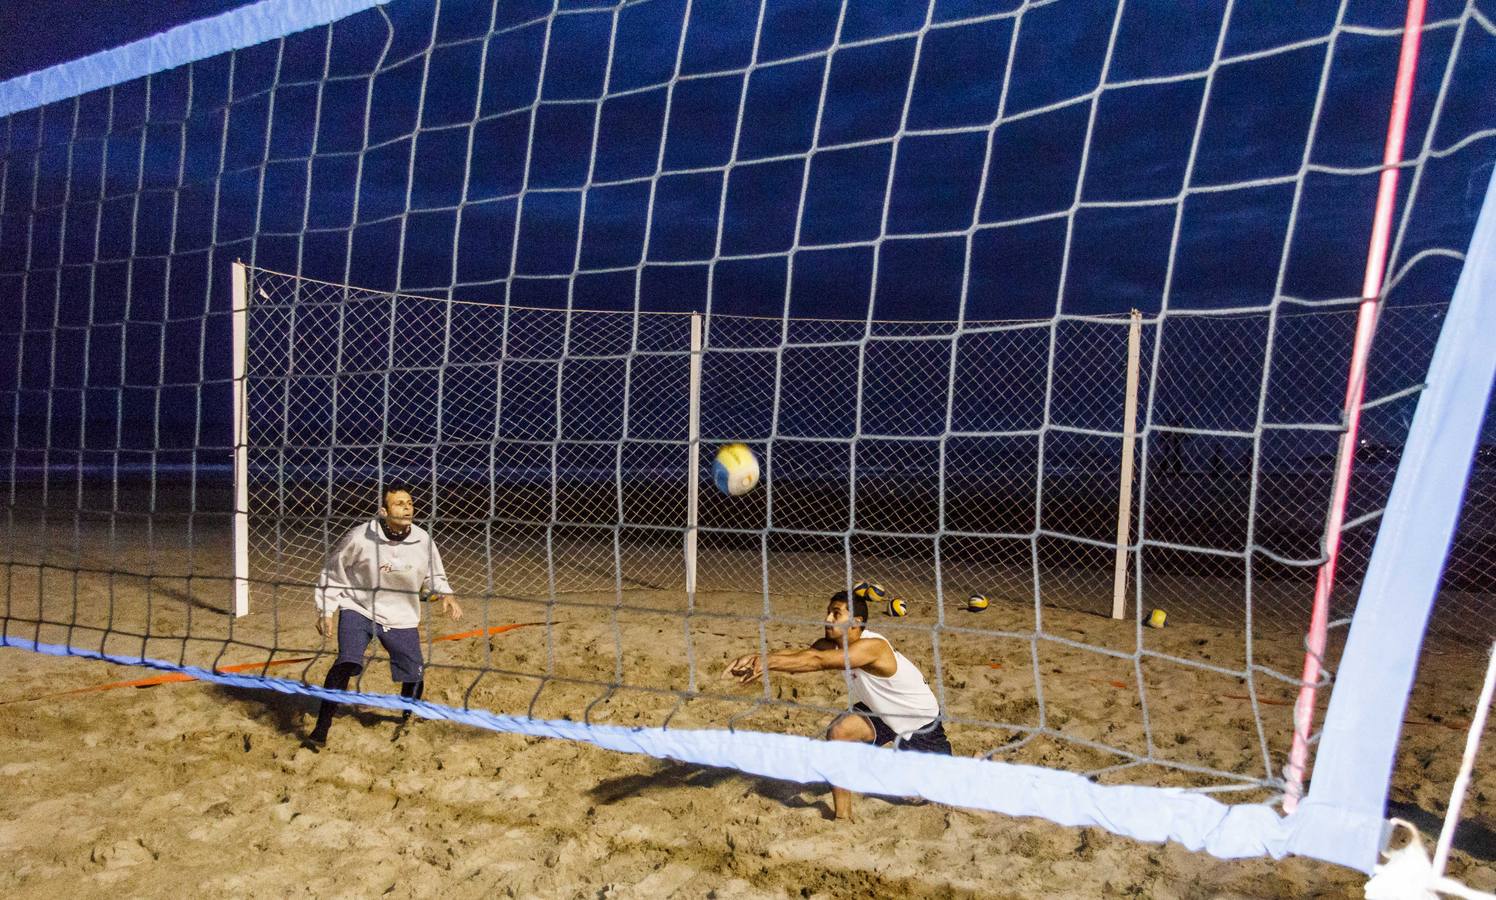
(929, 739)
(402, 644)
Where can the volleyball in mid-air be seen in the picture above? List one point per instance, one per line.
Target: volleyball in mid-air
(871, 591)
(735, 470)
(977, 602)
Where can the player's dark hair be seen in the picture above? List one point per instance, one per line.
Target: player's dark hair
(858, 605)
(391, 487)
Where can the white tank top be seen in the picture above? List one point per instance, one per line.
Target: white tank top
(902, 700)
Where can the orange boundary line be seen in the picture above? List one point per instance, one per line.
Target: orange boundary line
(480, 632)
(174, 677)
(168, 678)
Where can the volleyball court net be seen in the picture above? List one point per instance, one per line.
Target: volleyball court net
(540, 264)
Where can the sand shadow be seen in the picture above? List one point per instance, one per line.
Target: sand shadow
(628, 581)
(190, 599)
(292, 714)
(673, 775)
(1472, 837)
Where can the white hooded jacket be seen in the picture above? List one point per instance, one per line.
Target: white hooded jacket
(381, 579)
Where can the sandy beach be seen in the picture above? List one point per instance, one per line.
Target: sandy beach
(189, 787)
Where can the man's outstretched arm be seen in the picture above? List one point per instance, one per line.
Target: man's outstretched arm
(824, 655)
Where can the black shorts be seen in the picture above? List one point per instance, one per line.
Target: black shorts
(929, 739)
(402, 644)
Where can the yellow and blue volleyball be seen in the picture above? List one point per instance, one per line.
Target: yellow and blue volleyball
(735, 470)
(897, 607)
(871, 591)
(977, 602)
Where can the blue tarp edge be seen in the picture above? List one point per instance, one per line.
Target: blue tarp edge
(1353, 765)
(246, 26)
(1196, 821)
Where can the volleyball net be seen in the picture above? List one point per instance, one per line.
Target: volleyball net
(988, 328)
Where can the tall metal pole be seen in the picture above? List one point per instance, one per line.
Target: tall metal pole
(240, 320)
(1129, 443)
(693, 457)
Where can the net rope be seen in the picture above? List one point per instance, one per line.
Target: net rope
(938, 434)
(549, 471)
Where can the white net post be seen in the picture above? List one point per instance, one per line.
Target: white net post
(693, 457)
(241, 440)
(1129, 443)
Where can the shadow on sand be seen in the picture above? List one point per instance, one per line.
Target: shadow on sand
(1473, 836)
(672, 775)
(293, 714)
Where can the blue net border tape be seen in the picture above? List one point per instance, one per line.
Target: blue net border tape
(1358, 747)
(1194, 820)
(246, 26)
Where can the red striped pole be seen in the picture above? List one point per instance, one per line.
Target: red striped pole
(1366, 323)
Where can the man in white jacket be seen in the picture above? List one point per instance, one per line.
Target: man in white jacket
(891, 701)
(372, 585)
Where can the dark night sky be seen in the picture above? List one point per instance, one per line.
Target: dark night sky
(1227, 255)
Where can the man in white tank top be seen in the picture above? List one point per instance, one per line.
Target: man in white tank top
(891, 701)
